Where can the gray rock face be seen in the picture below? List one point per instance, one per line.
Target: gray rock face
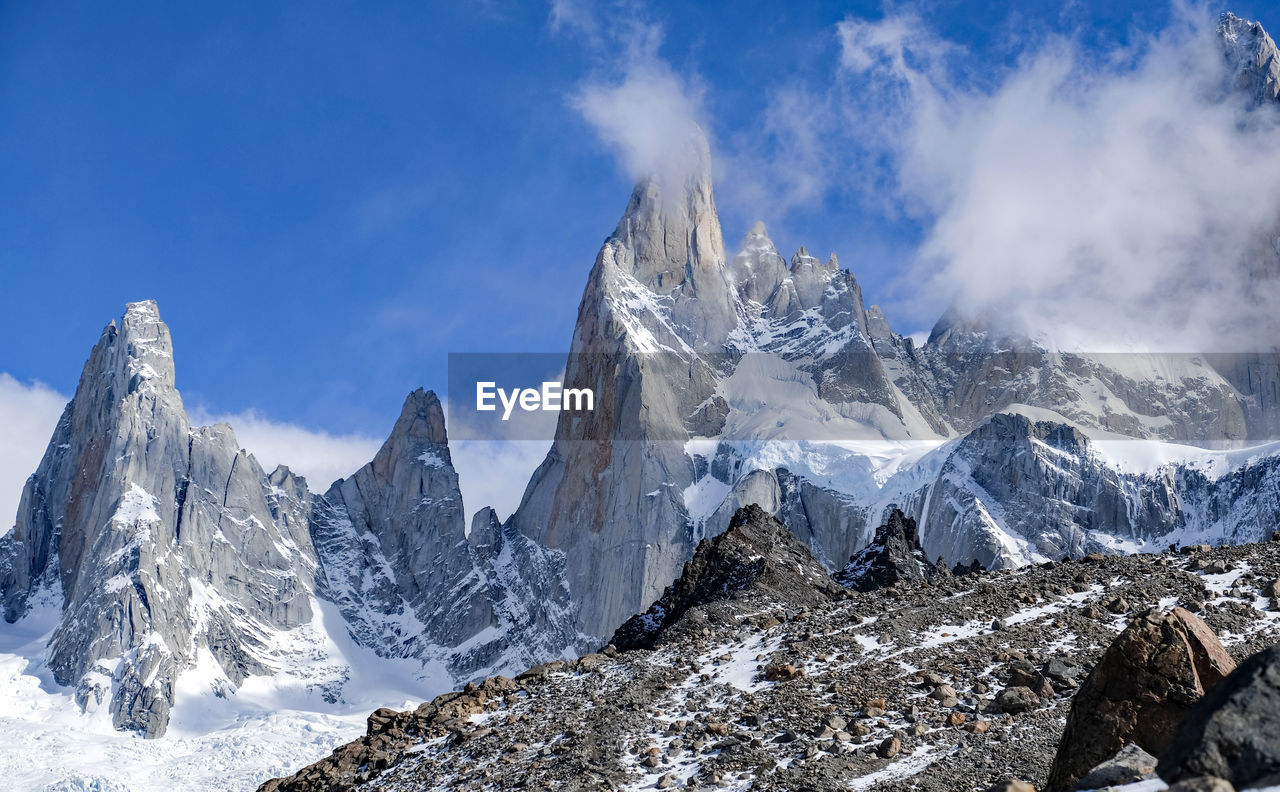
(608, 495)
(158, 540)
(1251, 57)
(1016, 491)
(396, 559)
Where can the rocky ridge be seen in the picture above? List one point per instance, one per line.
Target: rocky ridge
(956, 683)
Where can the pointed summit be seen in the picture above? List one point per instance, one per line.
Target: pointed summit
(418, 436)
(669, 239)
(1251, 56)
(153, 536)
(758, 268)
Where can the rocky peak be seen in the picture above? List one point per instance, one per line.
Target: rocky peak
(894, 556)
(418, 437)
(1251, 57)
(758, 268)
(146, 346)
(485, 536)
(802, 260)
(757, 561)
(131, 511)
(671, 228)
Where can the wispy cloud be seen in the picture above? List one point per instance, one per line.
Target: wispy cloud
(495, 472)
(646, 112)
(319, 456)
(28, 414)
(1123, 196)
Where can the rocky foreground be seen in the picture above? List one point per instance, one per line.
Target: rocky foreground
(755, 672)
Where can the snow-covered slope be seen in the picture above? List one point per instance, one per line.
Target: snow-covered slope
(217, 740)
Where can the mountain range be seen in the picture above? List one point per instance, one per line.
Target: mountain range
(165, 552)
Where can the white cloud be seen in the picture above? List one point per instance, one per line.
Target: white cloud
(495, 472)
(578, 16)
(1120, 198)
(490, 472)
(785, 162)
(28, 415)
(319, 456)
(638, 105)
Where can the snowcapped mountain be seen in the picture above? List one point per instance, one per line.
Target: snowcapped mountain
(162, 544)
(811, 406)
(159, 557)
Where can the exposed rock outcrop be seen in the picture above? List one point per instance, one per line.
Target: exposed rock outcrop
(757, 561)
(1140, 691)
(893, 556)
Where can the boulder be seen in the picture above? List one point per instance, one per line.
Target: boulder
(1014, 700)
(1139, 692)
(1130, 765)
(1234, 732)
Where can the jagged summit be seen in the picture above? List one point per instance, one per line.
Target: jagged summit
(397, 561)
(418, 436)
(669, 235)
(155, 537)
(164, 550)
(757, 563)
(1251, 57)
(894, 556)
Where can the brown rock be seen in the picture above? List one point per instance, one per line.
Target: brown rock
(890, 748)
(1017, 699)
(1141, 689)
(955, 719)
(1012, 785)
(776, 672)
(717, 728)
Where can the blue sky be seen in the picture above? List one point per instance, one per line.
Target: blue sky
(327, 198)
